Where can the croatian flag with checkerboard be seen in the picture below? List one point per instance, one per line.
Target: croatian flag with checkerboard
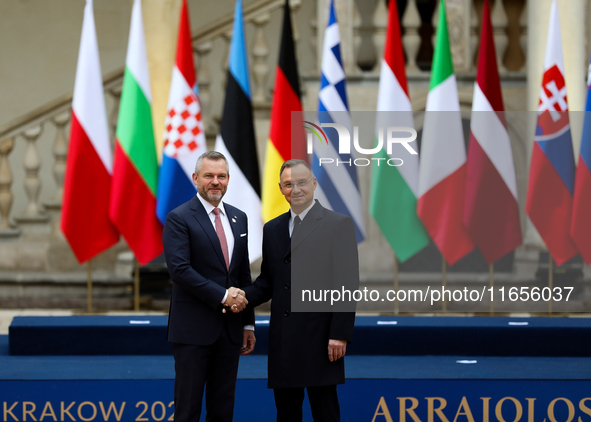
(552, 170)
(184, 139)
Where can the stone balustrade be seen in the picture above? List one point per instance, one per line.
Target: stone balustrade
(33, 149)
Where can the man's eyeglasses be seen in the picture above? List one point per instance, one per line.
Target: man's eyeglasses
(300, 184)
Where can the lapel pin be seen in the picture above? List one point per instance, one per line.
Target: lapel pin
(234, 219)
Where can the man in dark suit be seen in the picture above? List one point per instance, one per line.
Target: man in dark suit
(309, 246)
(206, 248)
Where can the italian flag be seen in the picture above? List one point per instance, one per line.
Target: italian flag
(394, 190)
(442, 175)
(135, 175)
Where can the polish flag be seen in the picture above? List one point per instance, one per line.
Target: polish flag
(85, 209)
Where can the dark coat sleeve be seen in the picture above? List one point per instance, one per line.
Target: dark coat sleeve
(346, 275)
(261, 290)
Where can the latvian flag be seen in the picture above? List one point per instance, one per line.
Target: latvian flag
(491, 212)
(552, 169)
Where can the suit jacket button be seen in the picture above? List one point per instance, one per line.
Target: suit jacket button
(286, 313)
(286, 286)
(288, 260)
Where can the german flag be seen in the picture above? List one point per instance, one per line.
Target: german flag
(284, 141)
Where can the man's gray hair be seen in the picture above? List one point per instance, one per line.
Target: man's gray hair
(294, 162)
(210, 155)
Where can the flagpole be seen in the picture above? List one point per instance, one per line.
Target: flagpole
(443, 283)
(136, 287)
(491, 276)
(89, 287)
(550, 281)
(396, 308)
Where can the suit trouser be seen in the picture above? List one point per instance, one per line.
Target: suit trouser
(211, 368)
(324, 403)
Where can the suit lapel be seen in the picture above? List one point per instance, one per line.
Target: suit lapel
(205, 222)
(308, 225)
(236, 225)
(281, 230)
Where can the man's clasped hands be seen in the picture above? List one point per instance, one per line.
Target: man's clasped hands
(236, 300)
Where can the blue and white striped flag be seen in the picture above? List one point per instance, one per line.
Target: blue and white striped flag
(338, 187)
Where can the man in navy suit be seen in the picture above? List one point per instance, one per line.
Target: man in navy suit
(309, 247)
(206, 248)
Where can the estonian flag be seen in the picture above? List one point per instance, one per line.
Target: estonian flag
(237, 141)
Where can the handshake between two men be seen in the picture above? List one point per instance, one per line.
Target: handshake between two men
(235, 301)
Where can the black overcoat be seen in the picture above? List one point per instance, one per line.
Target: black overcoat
(326, 251)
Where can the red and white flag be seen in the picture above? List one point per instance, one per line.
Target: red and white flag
(491, 212)
(85, 210)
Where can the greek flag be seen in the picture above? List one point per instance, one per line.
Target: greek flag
(338, 187)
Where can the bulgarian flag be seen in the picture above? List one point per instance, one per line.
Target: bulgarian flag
(85, 209)
(394, 190)
(442, 175)
(135, 175)
(286, 101)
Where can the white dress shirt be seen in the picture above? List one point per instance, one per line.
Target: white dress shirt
(227, 231)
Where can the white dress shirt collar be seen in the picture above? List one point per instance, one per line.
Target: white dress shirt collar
(209, 207)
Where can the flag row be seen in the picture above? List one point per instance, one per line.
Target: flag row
(460, 200)
(130, 193)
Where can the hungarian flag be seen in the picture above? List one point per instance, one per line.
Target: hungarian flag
(184, 139)
(580, 228)
(135, 177)
(442, 175)
(85, 209)
(491, 212)
(237, 142)
(552, 169)
(394, 190)
(286, 103)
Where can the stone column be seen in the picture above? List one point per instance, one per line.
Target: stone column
(161, 19)
(344, 10)
(458, 23)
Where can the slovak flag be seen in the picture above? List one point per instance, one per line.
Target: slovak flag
(184, 139)
(552, 169)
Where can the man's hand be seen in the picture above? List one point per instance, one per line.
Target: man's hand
(336, 349)
(236, 300)
(248, 342)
